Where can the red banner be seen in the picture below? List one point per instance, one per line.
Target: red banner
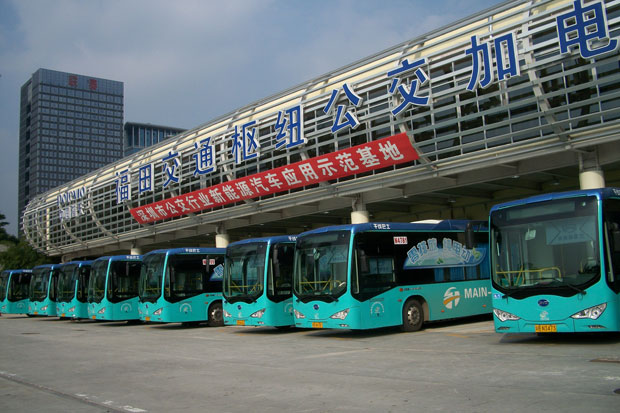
(359, 159)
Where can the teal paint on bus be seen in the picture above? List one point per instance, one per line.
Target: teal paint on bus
(374, 275)
(113, 288)
(42, 290)
(258, 279)
(72, 293)
(556, 262)
(182, 285)
(14, 294)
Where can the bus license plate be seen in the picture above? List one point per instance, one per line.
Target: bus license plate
(147, 318)
(94, 317)
(317, 325)
(546, 328)
(240, 322)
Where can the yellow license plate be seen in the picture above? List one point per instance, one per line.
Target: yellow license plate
(94, 317)
(63, 315)
(240, 322)
(317, 325)
(546, 328)
(147, 318)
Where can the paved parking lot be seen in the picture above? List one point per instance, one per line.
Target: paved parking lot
(53, 365)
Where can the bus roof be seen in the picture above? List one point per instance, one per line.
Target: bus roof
(80, 263)
(444, 225)
(50, 266)
(188, 250)
(273, 240)
(17, 271)
(119, 258)
(600, 193)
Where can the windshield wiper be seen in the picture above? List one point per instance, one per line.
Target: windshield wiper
(571, 286)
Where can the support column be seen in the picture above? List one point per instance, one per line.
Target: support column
(590, 174)
(359, 215)
(591, 179)
(221, 237)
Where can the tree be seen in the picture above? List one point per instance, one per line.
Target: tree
(22, 255)
(4, 236)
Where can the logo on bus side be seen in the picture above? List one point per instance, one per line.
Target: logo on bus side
(377, 309)
(451, 298)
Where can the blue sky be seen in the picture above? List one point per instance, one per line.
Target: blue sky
(186, 62)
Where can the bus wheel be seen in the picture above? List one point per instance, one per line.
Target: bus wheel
(216, 318)
(413, 316)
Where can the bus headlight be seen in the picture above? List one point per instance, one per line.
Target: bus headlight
(258, 314)
(44, 308)
(340, 315)
(298, 314)
(226, 314)
(592, 313)
(158, 311)
(71, 310)
(504, 315)
(101, 311)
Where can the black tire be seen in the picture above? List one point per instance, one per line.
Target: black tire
(216, 315)
(413, 316)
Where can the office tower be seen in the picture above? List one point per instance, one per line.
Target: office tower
(69, 125)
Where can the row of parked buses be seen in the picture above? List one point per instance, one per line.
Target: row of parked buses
(549, 263)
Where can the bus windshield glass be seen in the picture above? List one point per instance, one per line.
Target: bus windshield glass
(18, 288)
(96, 283)
(4, 283)
(245, 266)
(123, 280)
(66, 282)
(551, 245)
(321, 263)
(280, 271)
(188, 275)
(38, 284)
(150, 277)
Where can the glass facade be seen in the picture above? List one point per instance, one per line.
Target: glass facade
(69, 125)
(138, 136)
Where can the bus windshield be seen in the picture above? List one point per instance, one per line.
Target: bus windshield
(96, 283)
(123, 280)
(66, 282)
(546, 247)
(4, 281)
(245, 266)
(280, 271)
(150, 277)
(18, 287)
(38, 284)
(321, 263)
(188, 275)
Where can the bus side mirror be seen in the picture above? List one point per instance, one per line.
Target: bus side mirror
(469, 236)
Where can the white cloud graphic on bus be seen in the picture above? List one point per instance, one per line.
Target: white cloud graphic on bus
(428, 254)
